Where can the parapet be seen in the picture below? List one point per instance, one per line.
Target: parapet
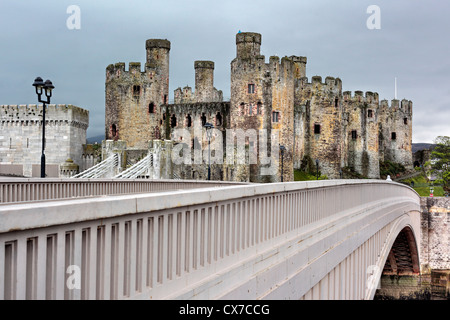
(248, 45)
(298, 59)
(360, 96)
(330, 82)
(157, 43)
(203, 64)
(54, 112)
(248, 37)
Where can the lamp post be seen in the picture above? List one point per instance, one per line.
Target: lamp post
(208, 127)
(43, 87)
(317, 169)
(282, 149)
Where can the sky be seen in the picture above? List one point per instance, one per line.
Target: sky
(407, 40)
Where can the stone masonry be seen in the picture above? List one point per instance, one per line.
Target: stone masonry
(313, 119)
(21, 138)
(435, 242)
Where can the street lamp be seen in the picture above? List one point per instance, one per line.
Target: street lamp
(208, 127)
(43, 87)
(317, 169)
(282, 149)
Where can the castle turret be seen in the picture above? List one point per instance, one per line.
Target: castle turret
(248, 45)
(158, 62)
(300, 66)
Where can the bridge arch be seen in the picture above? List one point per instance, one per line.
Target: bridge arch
(400, 253)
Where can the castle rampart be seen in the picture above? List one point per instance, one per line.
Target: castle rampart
(21, 137)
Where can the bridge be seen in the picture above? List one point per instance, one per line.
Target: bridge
(152, 239)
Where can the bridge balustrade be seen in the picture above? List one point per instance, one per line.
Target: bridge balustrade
(168, 245)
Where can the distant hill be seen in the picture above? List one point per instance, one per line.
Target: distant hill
(421, 146)
(95, 139)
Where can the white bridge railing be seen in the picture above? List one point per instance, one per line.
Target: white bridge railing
(100, 170)
(174, 245)
(139, 169)
(36, 189)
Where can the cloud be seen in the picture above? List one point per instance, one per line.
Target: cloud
(410, 46)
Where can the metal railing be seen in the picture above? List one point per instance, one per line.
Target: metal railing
(139, 169)
(100, 169)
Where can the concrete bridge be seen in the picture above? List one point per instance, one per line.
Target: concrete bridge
(130, 239)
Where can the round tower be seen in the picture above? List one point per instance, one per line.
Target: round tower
(248, 45)
(158, 65)
(204, 80)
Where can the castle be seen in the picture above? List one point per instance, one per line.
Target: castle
(316, 123)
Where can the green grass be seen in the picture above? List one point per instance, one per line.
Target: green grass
(425, 191)
(422, 186)
(304, 176)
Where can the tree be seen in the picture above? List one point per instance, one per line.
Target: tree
(440, 161)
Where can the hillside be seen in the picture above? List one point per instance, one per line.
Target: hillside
(421, 146)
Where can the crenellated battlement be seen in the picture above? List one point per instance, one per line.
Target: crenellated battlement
(55, 113)
(316, 84)
(118, 70)
(360, 96)
(404, 105)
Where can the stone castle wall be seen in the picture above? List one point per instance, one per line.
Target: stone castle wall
(315, 120)
(435, 242)
(21, 137)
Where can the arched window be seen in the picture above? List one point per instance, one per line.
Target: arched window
(151, 108)
(259, 108)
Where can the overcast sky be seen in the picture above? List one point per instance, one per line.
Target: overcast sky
(412, 45)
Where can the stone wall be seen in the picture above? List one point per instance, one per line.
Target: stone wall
(435, 242)
(21, 136)
(361, 133)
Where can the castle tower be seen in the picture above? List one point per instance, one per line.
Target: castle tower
(321, 114)
(262, 99)
(395, 132)
(361, 133)
(204, 80)
(204, 86)
(158, 65)
(133, 98)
